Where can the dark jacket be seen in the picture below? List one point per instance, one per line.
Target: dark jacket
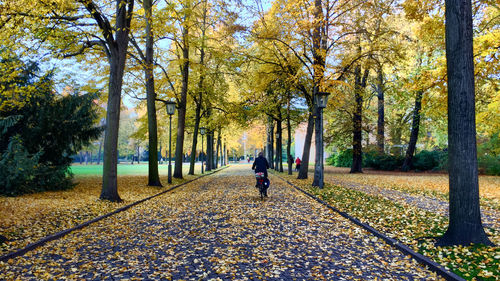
(260, 165)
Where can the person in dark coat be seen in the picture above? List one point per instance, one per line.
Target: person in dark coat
(260, 165)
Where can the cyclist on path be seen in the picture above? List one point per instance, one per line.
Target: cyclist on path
(260, 165)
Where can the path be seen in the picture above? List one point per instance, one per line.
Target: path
(217, 227)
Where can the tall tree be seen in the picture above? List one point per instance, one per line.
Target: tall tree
(415, 126)
(182, 101)
(116, 48)
(465, 224)
(379, 88)
(198, 98)
(147, 61)
(359, 87)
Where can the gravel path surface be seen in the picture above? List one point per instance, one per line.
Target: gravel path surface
(218, 228)
(490, 218)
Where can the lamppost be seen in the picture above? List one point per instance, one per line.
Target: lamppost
(278, 150)
(321, 101)
(170, 110)
(203, 130)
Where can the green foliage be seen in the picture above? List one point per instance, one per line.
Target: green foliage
(489, 165)
(384, 162)
(17, 168)
(38, 136)
(430, 160)
(340, 159)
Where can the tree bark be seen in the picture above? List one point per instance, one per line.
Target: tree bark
(289, 139)
(226, 153)
(270, 144)
(415, 126)
(277, 157)
(209, 151)
(465, 225)
(357, 153)
(217, 145)
(380, 110)
(197, 119)
(99, 154)
(317, 138)
(319, 54)
(304, 165)
(153, 175)
(279, 143)
(110, 184)
(117, 55)
(181, 118)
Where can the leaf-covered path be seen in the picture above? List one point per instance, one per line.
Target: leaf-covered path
(217, 227)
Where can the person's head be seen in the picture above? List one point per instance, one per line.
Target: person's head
(261, 154)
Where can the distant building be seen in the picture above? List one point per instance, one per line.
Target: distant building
(300, 137)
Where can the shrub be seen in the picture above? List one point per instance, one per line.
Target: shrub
(17, 168)
(38, 135)
(430, 160)
(384, 162)
(489, 165)
(344, 158)
(340, 159)
(329, 161)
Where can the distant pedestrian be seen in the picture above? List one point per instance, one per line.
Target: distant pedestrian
(297, 164)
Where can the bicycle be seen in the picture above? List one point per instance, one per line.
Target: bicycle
(260, 184)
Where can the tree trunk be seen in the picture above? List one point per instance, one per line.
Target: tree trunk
(289, 139)
(380, 121)
(226, 153)
(217, 151)
(357, 154)
(91, 160)
(319, 54)
(279, 150)
(153, 175)
(159, 152)
(277, 157)
(181, 119)
(109, 179)
(465, 225)
(117, 56)
(81, 157)
(318, 168)
(270, 144)
(99, 154)
(212, 151)
(304, 165)
(415, 126)
(86, 157)
(197, 119)
(209, 151)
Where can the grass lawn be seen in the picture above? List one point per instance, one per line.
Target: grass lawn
(27, 218)
(125, 169)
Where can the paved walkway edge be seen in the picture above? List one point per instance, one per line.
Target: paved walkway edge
(62, 233)
(434, 266)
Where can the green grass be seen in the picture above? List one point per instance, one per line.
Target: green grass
(123, 169)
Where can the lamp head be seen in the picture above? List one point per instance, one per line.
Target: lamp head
(203, 131)
(322, 99)
(170, 107)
